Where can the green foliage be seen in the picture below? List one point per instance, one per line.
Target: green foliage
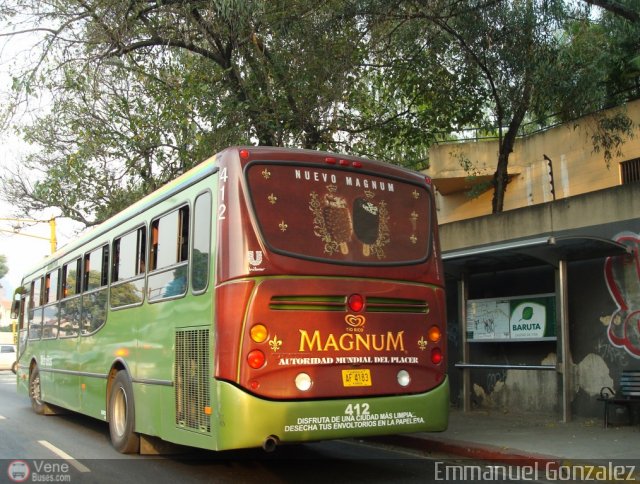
(4, 268)
(138, 92)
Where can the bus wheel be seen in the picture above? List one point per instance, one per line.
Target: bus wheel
(35, 393)
(122, 416)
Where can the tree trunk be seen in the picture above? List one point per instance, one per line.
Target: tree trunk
(500, 177)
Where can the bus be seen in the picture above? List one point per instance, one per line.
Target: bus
(267, 296)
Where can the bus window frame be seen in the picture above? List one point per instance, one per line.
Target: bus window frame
(48, 304)
(104, 283)
(152, 268)
(198, 292)
(77, 294)
(33, 307)
(63, 283)
(141, 266)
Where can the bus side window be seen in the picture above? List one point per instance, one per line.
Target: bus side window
(35, 309)
(169, 254)
(141, 249)
(70, 305)
(71, 278)
(127, 283)
(94, 296)
(50, 311)
(183, 237)
(153, 249)
(201, 242)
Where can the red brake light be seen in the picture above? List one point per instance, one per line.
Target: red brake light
(357, 164)
(436, 356)
(330, 160)
(255, 359)
(343, 162)
(355, 302)
(244, 154)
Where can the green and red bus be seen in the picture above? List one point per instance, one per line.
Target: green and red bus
(266, 296)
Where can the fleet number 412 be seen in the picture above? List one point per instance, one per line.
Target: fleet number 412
(357, 409)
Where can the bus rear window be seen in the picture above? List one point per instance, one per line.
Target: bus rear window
(340, 216)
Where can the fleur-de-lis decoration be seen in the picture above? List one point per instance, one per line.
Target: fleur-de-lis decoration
(272, 199)
(413, 239)
(266, 174)
(414, 219)
(416, 194)
(283, 226)
(422, 344)
(275, 343)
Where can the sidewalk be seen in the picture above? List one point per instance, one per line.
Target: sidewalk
(525, 439)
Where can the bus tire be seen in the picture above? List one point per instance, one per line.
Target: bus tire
(35, 392)
(122, 416)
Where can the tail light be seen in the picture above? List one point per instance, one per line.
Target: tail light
(355, 303)
(256, 359)
(436, 356)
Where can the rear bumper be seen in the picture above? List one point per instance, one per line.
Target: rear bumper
(244, 421)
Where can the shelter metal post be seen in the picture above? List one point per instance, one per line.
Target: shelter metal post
(463, 294)
(564, 347)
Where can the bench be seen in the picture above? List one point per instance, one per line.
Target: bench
(627, 396)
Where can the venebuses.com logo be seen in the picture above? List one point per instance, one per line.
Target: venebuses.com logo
(38, 471)
(18, 471)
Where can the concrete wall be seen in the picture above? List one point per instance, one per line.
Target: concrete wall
(577, 168)
(597, 208)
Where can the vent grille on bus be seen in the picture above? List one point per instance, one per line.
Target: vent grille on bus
(339, 303)
(396, 305)
(308, 303)
(192, 380)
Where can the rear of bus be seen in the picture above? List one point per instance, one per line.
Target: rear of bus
(330, 309)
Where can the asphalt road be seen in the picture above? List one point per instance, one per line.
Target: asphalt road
(74, 448)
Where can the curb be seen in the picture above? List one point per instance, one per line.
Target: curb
(470, 450)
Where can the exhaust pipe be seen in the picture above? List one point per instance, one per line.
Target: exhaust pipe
(270, 443)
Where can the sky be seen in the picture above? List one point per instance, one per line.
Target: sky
(21, 250)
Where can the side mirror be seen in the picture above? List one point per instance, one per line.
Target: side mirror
(18, 295)
(15, 308)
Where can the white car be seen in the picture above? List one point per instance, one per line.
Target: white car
(8, 357)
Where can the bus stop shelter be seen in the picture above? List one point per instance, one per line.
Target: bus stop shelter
(550, 250)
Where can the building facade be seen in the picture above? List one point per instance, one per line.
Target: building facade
(565, 250)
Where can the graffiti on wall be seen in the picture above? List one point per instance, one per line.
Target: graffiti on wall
(622, 275)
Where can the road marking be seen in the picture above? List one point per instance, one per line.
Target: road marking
(64, 455)
(2, 417)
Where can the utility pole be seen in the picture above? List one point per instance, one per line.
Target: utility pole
(52, 225)
(53, 242)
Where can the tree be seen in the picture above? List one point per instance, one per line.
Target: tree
(411, 89)
(529, 68)
(617, 8)
(141, 90)
(4, 268)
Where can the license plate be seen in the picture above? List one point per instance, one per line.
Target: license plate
(356, 378)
